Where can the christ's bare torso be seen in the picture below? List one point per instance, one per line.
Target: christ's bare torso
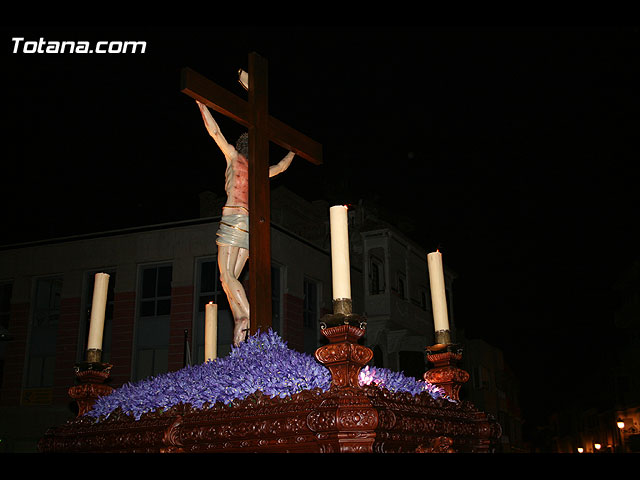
(237, 186)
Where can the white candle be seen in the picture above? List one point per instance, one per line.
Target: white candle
(438, 295)
(211, 331)
(341, 275)
(98, 307)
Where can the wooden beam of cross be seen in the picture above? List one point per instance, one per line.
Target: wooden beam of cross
(263, 128)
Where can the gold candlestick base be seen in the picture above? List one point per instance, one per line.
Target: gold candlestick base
(342, 315)
(94, 355)
(443, 337)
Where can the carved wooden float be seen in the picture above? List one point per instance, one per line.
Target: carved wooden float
(346, 418)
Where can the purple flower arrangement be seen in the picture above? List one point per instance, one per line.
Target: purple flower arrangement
(263, 363)
(398, 382)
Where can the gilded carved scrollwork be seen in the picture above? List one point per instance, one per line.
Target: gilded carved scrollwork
(343, 356)
(85, 395)
(437, 445)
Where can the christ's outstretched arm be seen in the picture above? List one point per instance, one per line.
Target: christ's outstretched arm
(214, 130)
(282, 165)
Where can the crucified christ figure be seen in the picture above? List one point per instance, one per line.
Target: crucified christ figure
(233, 233)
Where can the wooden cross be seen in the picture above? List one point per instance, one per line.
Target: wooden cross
(262, 129)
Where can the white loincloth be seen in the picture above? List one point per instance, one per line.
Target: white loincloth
(234, 231)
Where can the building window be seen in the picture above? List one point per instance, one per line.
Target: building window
(152, 329)
(424, 298)
(480, 377)
(156, 291)
(351, 218)
(376, 275)
(42, 337)
(108, 314)
(402, 285)
(310, 313)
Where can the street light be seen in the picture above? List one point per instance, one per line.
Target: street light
(580, 449)
(597, 446)
(620, 425)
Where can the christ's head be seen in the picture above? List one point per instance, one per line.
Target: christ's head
(242, 145)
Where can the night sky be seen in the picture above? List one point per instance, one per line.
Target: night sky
(512, 150)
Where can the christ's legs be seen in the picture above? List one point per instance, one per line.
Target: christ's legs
(241, 259)
(231, 261)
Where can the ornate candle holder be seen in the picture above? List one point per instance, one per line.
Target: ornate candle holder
(91, 375)
(346, 419)
(446, 373)
(344, 357)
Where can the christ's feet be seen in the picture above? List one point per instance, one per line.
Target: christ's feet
(240, 331)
